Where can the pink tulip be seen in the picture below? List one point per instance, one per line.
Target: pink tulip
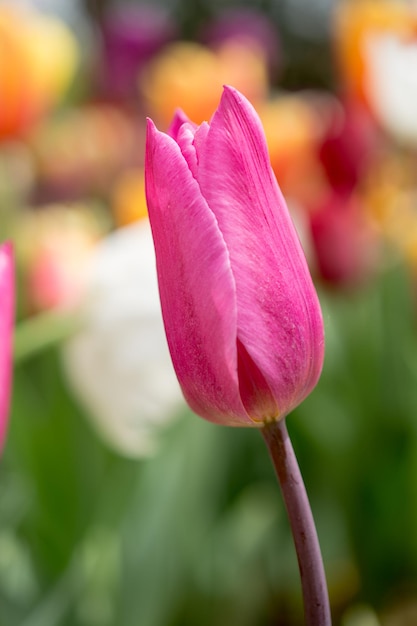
(241, 314)
(6, 331)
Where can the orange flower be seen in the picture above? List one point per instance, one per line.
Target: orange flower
(128, 197)
(190, 76)
(38, 57)
(293, 132)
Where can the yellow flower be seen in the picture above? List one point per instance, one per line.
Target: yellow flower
(128, 197)
(190, 76)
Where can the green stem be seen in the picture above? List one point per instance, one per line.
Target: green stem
(310, 562)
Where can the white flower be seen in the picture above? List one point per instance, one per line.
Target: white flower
(118, 364)
(391, 84)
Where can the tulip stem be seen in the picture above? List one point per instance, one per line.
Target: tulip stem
(310, 562)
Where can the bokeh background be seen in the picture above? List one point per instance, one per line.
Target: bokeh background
(118, 507)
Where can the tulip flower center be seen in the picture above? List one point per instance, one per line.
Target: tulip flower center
(255, 393)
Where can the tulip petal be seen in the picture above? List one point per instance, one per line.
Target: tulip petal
(185, 140)
(256, 395)
(6, 330)
(279, 318)
(178, 120)
(197, 289)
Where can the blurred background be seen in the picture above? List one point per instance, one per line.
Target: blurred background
(118, 507)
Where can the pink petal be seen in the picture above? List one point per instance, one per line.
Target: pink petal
(185, 140)
(178, 120)
(6, 332)
(279, 319)
(197, 289)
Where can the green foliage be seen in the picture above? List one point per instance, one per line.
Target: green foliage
(197, 534)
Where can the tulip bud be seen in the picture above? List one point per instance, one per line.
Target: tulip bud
(242, 317)
(6, 330)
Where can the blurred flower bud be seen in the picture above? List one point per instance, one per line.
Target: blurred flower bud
(54, 246)
(191, 77)
(293, 132)
(83, 151)
(128, 197)
(390, 193)
(348, 145)
(118, 365)
(38, 58)
(391, 85)
(248, 26)
(345, 244)
(131, 36)
(356, 23)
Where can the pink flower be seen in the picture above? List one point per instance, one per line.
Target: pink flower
(6, 332)
(241, 314)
